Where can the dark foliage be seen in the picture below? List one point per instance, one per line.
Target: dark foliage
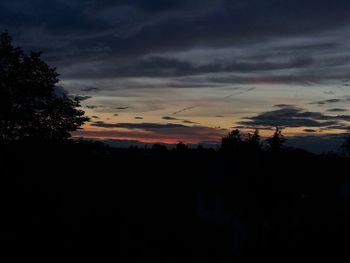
(277, 142)
(185, 204)
(232, 142)
(29, 107)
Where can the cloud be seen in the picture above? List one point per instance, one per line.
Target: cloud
(284, 106)
(177, 119)
(81, 97)
(310, 130)
(144, 126)
(138, 118)
(291, 116)
(170, 118)
(323, 102)
(93, 107)
(189, 122)
(155, 132)
(100, 39)
(121, 108)
(90, 89)
(164, 66)
(337, 110)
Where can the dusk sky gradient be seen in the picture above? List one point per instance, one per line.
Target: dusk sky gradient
(190, 70)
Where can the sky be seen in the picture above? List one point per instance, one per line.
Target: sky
(191, 70)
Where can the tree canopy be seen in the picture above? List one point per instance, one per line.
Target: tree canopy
(30, 106)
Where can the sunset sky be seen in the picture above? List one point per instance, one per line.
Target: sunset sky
(191, 70)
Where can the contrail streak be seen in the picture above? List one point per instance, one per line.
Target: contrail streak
(227, 97)
(186, 109)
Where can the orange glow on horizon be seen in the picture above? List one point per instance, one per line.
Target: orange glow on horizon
(165, 140)
(153, 137)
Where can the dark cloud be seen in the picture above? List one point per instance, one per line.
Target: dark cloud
(170, 118)
(81, 97)
(97, 123)
(144, 126)
(90, 89)
(300, 78)
(291, 116)
(163, 127)
(138, 118)
(323, 102)
(169, 67)
(156, 131)
(121, 108)
(192, 85)
(162, 66)
(93, 107)
(283, 105)
(189, 122)
(176, 119)
(310, 130)
(337, 110)
(310, 47)
(102, 38)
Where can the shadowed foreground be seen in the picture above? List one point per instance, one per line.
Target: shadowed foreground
(197, 205)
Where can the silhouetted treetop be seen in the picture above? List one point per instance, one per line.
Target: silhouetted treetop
(181, 146)
(29, 105)
(231, 140)
(254, 138)
(277, 141)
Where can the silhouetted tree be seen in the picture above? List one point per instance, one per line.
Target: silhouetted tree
(181, 146)
(232, 141)
(277, 141)
(159, 148)
(253, 140)
(29, 104)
